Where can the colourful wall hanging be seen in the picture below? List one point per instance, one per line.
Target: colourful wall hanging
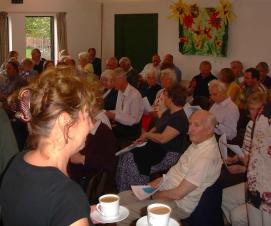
(202, 31)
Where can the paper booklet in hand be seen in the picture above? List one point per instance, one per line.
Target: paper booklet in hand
(145, 191)
(129, 148)
(223, 146)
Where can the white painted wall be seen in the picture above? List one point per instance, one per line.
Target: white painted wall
(83, 21)
(249, 34)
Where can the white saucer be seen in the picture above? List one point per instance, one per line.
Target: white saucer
(123, 213)
(144, 222)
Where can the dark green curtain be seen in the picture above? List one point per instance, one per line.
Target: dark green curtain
(136, 36)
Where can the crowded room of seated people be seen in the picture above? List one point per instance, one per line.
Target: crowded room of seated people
(89, 136)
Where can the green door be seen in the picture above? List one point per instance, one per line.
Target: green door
(136, 36)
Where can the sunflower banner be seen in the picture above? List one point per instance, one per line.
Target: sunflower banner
(202, 31)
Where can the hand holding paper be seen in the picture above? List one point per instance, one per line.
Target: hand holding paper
(145, 191)
(236, 149)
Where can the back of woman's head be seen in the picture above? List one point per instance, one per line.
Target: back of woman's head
(50, 94)
(178, 94)
(226, 75)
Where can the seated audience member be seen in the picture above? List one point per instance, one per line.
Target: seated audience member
(27, 69)
(84, 64)
(97, 155)
(104, 77)
(153, 66)
(3, 73)
(132, 76)
(237, 69)
(225, 111)
(69, 61)
(198, 168)
(129, 107)
(8, 144)
(199, 84)
(168, 63)
(259, 168)
(111, 63)
(233, 89)
(151, 88)
(251, 84)
(37, 60)
(14, 81)
(168, 135)
(95, 61)
(263, 69)
(48, 64)
(36, 181)
(167, 79)
(110, 95)
(234, 201)
(12, 56)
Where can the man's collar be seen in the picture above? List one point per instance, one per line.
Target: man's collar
(224, 102)
(127, 90)
(205, 143)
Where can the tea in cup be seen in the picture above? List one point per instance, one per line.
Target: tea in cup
(158, 214)
(108, 205)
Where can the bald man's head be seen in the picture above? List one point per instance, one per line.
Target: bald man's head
(201, 126)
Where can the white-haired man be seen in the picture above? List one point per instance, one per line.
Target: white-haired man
(197, 169)
(225, 110)
(153, 66)
(168, 63)
(132, 76)
(129, 107)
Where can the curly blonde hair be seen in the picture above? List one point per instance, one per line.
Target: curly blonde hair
(52, 93)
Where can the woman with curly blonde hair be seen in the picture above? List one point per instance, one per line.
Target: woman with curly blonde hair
(35, 189)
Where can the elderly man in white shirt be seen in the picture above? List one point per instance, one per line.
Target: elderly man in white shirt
(153, 66)
(225, 110)
(129, 107)
(198, 168)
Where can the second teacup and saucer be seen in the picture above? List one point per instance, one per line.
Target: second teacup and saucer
(158, 215)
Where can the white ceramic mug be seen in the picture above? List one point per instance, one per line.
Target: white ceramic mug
(158, 214)
(108, 205)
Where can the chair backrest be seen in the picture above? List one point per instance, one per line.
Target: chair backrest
(100, 184)
(208, 212)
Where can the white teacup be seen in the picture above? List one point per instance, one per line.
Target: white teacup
(158, 214)
(108, 205)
